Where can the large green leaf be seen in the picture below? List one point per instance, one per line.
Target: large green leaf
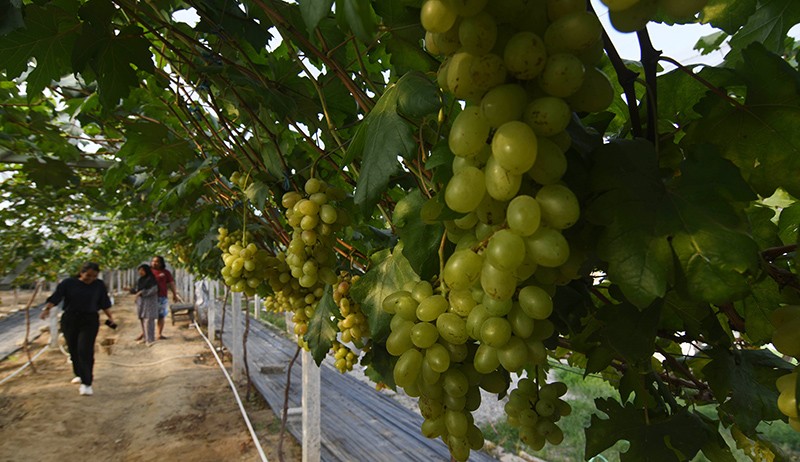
(423, 239)
(48, 37)
(652, 439)
(322, 327)
(387, 138)
(728, 15)
(360, 17)
(313, 11)
(619, 321)
(417, 96)
(763, 137)
(153, 144)
(389, 272)
(744, 382)
(768, 25)
(756, 309)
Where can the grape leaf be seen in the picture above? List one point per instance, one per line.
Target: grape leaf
(728, 15)
(322, 327)
(115, 60)
(769, 123)
(622, 319)
(46, 171)
(10, 16)
(789, 224)
(48, 37)
(423, 254)
(379, 365)
(388, 273)
(756, 309)
(768, 25)
(360, 17)
(417, 96)
(387, 137)
(313, 11)
(657, 439)
(744, 382)
(152, 144)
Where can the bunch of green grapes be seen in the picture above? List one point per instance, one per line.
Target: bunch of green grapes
(289, 296)
(535, 411)
(247, 267)
(239, 179)
(787, 400)
(633, 15)
(344, 358)
(353, 324)
(314, 220)
(786, 321)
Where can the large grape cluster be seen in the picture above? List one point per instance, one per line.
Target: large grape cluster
(353, 324)
(633, 15)
(785, 339)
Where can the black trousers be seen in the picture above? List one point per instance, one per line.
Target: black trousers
(80, 332)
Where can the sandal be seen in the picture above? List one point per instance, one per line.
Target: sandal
(161, 337)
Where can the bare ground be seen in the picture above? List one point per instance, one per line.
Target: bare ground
(166, 402)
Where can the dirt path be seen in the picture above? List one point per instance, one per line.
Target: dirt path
(169, 402)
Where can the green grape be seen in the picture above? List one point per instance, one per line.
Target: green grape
(617, 5)
(491, 211)
(424, 334)
(500, 184)
(461, 301)
(452, 328)
(559, 206)
(421, 290)
(573, 32)
(485, 360)
(433, 428)
(595, 95)
(467, 222)
(475, 321)
(459, 447)
(494, 382)
(443, 74)
(681, 9)
(513, 355)
(543, 330)
(399, 340)
(497, 283)
(430, 308)
(445, 42)
(563, 75)
(407, 368)
(469, 132)
(465, 191)
(460, 81)
(523, 215)
(522, 325)
(514, 146)
(559, 8)
(473, 398)
(535, 302)
(786, 340)
(548, 115)
(455, 383)
(437, 357)
(430, 408)
(495, 331)
(634, 18)
(430, 379)
(456, 422)
(475, 437)
(401, 303)
(786, 383)
(478, 33)
(551, 163)
(593, 55)
(525, 55)
(547, 247)
(496, 307)
(462, 269)
(505, 250)
(437, 16)
(561, 139)
(504, 103)
(458, 352)
(467, 8)
(486, 71)
(430, 211)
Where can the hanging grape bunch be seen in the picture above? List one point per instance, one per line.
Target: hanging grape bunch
(352, 324)
(309, 261)
(247, 266)
(785, 339)
(522, 69)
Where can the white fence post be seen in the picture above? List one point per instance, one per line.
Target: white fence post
(237, 329)
(311, 409)
(53, 321)
(212, 310)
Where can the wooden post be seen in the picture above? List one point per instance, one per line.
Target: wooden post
(311, 409)
(53, 321)
(212, 310)
(237, 329)
(256, 306)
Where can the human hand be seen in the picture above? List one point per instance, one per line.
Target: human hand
(45, 313)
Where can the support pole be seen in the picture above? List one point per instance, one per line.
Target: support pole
(311, 409)
(212, 310)
(237, 328)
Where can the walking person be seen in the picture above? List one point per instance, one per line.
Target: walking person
(165, 282)
(84, 296)
(147, 306)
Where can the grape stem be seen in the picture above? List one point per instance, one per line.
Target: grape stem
(626, 79)
(649, 57)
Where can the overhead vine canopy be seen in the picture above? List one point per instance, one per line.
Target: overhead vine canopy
(497, 186)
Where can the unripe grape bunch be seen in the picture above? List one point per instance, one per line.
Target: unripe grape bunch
(247, 266)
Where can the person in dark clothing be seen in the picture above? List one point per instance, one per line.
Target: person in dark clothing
(83, 296)
(147, 306)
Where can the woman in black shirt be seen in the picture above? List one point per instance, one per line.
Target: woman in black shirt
(83, 296)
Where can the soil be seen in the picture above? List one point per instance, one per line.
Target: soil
(169, 401)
